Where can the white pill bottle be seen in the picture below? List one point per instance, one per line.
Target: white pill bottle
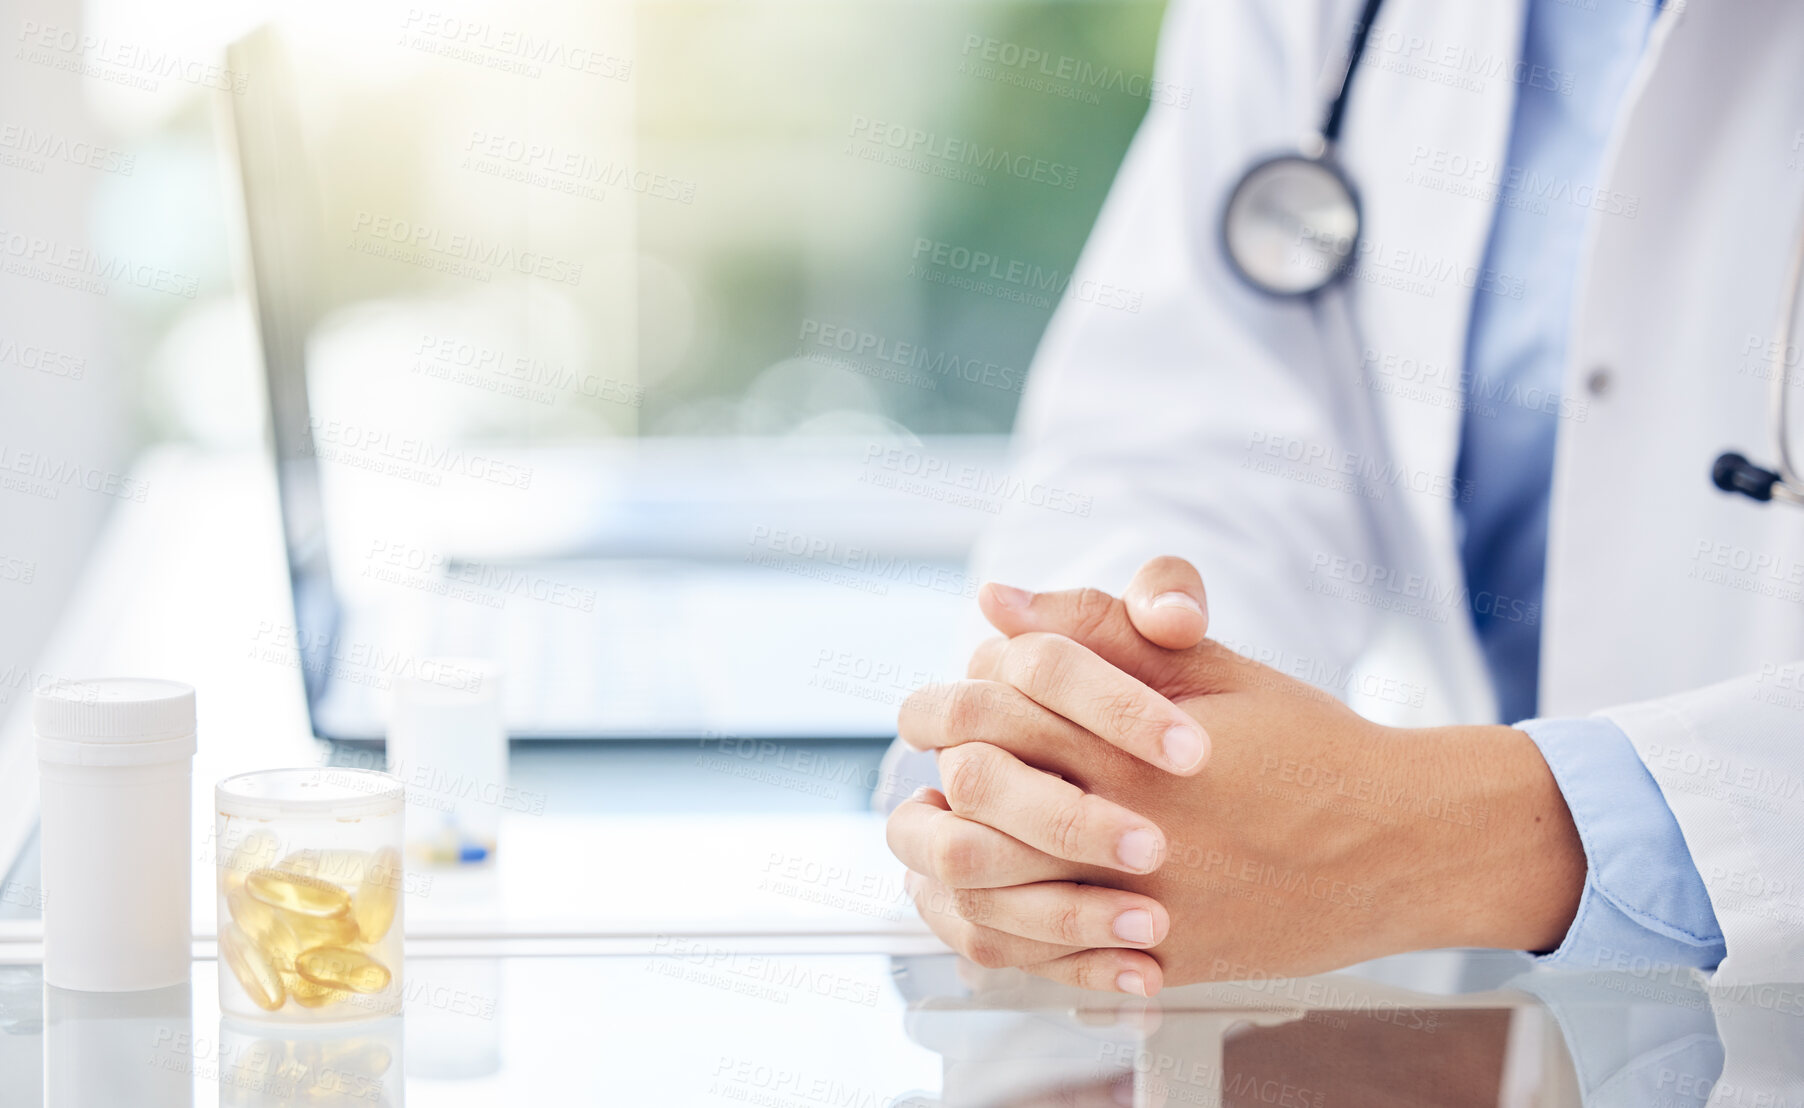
(115, 772)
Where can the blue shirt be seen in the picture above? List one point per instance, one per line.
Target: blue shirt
(1642, 890)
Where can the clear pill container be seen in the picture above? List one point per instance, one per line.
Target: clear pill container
(310, 892)
(446, 740)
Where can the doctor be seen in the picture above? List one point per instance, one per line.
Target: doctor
(1451, 452)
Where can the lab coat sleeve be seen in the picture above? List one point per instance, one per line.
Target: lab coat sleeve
(1643, 900)
(1171, 410)
(1726, 759)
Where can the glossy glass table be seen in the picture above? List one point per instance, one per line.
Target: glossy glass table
(718, 1021)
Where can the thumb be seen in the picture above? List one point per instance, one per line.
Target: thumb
(1167, 604)
(1091, 617)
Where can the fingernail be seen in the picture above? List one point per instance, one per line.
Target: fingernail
(1138, 849)
(1177, 600)
(918, 795)
(1183, 747)
(1010, 597)
(1134, 926)
(1130, 982)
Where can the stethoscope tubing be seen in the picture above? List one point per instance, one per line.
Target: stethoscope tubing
(1789, 487)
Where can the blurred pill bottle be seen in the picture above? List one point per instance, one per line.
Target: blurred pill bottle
(448, 742)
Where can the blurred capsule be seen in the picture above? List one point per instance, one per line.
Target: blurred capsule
(339, 968)
(269, 928)
(309, 995)
(282, 934)
(256, 1076)
(367, 1057)
(306, 1057)
(262, 983)
(298, 893)
(341, 867)
(312, 931)
(254, 851)
(378, 894)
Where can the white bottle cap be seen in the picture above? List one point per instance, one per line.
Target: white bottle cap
(114, 721)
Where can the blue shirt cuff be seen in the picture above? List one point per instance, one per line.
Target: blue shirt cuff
(1643, 899)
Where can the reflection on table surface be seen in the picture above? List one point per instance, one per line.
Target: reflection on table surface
(712, 1022)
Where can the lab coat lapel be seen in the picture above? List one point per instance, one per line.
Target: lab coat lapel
(1677, 303)
(1438, 84)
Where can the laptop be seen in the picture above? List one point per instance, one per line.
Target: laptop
(680, 605)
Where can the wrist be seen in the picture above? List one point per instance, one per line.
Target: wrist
(1501, 864)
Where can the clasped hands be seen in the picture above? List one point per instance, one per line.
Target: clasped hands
(1128, 804)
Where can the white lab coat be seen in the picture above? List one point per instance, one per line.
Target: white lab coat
(1166, 418)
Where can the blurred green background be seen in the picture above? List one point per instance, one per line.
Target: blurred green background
(756, 194)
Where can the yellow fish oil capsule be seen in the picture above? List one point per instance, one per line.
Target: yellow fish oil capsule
(374, 904)
(309, 995)
(288, 934)
(269, 928)
(312, 931)
(262, 983)
(337, 967)
(298, 893)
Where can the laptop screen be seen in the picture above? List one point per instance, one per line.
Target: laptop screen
(282, 219)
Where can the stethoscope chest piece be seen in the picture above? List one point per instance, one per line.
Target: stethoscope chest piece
(1291, 225)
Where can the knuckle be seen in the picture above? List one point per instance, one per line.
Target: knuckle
(969, 773)
(956, 857)
(1065, 923)
(918, 708)
(1091, 610)
(1067, 826)
(983, 659)
(971, 905)
(930, 901)
(1091, 970)
(1122, 712)
(965, 709)
(1038, 660)
(986, 950)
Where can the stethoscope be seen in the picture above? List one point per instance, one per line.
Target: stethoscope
(1734, 473)
(1292, 223)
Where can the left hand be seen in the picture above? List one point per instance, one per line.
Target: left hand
(1313, 838)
